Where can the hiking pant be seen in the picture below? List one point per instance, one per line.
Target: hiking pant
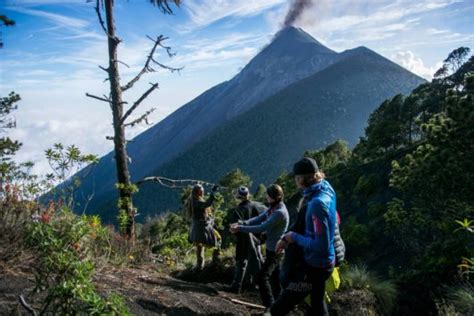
(296, 292)
(244, 270)
(268, 279)
(239, 274)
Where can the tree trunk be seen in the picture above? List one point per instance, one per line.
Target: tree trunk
(121, 158)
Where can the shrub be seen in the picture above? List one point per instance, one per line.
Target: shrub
(358, 277)
(461, 297)
(167, 236)
(65, 268)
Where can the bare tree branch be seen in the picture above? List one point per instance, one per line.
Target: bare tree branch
(150, 58)
(101, 21)
(123, 63)
(160, 39)
(139, 100)
(98, 98)
(142, 118)
(104, 69)
(146, 67)
(172, 69)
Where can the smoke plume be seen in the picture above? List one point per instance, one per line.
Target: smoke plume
(296, 9)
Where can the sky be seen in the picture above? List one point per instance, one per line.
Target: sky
(51, 56)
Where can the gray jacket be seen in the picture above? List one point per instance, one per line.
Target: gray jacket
(274, 222)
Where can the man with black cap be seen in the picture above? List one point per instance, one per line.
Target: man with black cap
(313, 237)
(274, 223)
(248, 257)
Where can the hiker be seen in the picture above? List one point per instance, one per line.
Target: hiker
(274, 223)
(248, 256)
(202, 233)
(310, 243)
(291, 269)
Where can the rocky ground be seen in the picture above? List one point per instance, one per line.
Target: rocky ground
(148, 292)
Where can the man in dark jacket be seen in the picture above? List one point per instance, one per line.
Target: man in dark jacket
(248, 256)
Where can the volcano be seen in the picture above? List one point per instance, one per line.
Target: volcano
(295, 95)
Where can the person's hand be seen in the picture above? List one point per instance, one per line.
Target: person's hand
(281, 244)
(234, 228)
(215, 188)
(288, 237)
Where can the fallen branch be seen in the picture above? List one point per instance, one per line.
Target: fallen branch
(236, 301)
(26, 306)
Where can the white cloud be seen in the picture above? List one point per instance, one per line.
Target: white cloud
(57, 19)
(206, 12)
(42, 2)
(220, 51)
(53, 84)
(408, 60)
(364, 21)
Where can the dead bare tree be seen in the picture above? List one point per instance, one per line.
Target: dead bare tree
(120, 113)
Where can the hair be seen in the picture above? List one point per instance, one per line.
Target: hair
(275, 192)
(188, 204)
(312, 178)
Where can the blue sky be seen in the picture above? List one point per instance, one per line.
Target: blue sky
(51, 56)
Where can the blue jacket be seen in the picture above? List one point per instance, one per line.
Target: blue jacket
(320, 223)
(274, 222)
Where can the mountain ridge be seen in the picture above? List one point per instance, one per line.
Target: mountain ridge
(263, 78)
(331, 104)
(260, 78)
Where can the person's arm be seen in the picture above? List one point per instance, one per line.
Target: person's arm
(320, 239)
(274, 219)
(205, 204)
(255, 220)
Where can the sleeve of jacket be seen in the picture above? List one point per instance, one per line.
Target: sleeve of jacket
(207, 203)
(255, 211)
(319, 242)
(255, 220)
(272, 220)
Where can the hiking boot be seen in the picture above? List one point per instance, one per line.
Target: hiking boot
(216, 256)
(233, 289)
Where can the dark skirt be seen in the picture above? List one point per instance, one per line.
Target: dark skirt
(202, 232)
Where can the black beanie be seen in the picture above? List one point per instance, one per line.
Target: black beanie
(305, 166)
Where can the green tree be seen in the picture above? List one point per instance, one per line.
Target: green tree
(8, 147)
(232, 181)
(385, 130)
(436, 181)
(335, 155)
(64, 162)
(227, 201)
